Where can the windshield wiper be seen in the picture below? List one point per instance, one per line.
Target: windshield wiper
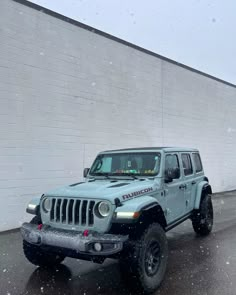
(131, 175)
(109, 175)
(102, 174)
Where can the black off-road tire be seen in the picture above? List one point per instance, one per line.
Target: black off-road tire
(38, 256)
(143, 266)
(202, 219)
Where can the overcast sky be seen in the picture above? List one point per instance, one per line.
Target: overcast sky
(198, 33)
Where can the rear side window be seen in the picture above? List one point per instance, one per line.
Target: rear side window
(187, 164)
(197, 162)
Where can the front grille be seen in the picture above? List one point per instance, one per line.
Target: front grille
(72, 211)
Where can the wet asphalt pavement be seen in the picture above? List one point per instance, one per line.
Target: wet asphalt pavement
(197, 265)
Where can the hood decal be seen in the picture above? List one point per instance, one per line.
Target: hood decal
(137, 193)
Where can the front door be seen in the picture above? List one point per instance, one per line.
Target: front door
(174, 190)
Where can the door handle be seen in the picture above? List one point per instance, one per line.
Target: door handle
(183, 186)
(193, 182)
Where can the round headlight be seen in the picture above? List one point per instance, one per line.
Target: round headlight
(103, 209)
(47, 204)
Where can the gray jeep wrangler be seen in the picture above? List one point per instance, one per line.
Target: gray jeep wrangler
(130, 198)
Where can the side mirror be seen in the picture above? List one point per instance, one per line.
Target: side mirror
(171, 174)
(86, 171)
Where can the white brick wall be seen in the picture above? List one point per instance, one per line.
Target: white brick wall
(67, 93)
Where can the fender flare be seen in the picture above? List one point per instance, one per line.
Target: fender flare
(138, 204)
(145, 205)
(203, 186)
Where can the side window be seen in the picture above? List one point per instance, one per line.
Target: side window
(187, 164)
(172, 163)
(197, 162)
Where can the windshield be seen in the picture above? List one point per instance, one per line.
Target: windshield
(126, 164)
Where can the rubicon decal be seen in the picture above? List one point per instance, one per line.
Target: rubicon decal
(138, 193)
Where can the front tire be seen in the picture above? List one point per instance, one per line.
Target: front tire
(38, 256)
(145, 263)
(202, 219)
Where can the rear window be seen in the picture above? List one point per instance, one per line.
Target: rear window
(197, 162)
(187, 164)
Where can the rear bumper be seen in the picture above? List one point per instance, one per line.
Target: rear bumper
(72, 240)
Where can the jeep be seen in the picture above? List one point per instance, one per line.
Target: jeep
(128, 201)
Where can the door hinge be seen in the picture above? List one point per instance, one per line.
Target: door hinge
(164, 193)
(167, 211)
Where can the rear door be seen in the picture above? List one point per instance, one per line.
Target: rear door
(198, 172)
(188, 181)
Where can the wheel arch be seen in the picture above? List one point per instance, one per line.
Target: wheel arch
(203, 188)
(152, 213)
(149, 209)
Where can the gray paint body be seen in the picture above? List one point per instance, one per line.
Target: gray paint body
(138, 195)
(174, 202)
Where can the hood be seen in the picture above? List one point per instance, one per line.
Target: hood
(107, 189)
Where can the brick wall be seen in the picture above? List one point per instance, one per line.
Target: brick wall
(67, 93)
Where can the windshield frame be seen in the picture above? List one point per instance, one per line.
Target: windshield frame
(107, 175)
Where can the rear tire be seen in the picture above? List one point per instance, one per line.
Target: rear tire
(144, 264)
(38, 256)
(202, 219)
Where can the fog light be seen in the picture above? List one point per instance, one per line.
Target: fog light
(98, 247)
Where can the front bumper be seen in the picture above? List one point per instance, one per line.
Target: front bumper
(73, 240)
